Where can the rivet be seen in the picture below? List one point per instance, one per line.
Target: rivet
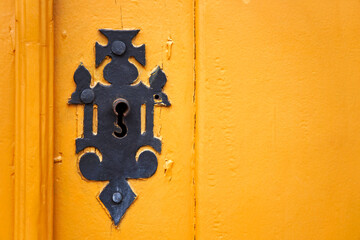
(117, 197)
(87, 96)
(118, 47)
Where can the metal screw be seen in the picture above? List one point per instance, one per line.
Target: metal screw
(118, 47)
(116, 197)
(87, 96)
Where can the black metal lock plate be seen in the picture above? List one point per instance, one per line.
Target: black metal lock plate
(119, 135)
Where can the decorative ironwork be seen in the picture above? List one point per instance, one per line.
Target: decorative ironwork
(119, 137)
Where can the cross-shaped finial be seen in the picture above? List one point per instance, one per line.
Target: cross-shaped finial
(119, 48)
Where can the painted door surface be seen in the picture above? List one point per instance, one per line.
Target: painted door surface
(278, 117)
(164, 208)
(261, 140)
(7, 126)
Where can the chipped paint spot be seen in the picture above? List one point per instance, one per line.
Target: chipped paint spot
(246, 1)
(64, 34)
(169, 44)
(168, 165)
(58, 159)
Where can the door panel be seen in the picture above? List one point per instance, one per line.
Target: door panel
(164, 207)
(278, 116)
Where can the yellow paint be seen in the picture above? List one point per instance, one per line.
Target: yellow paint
(95, 119)
(7, 110)
(278, 120)
(143, 118)
(261, 141)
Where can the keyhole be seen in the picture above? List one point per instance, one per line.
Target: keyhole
(121, 109)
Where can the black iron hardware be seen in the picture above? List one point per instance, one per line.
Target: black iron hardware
(119, 137)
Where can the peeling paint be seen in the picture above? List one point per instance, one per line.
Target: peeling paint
(58, 159)
(64, 34)
(169, 44)
(168, 165)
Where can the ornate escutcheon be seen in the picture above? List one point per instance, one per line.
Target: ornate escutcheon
(119, 138)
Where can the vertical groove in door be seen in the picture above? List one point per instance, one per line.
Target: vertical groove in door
(195, 158)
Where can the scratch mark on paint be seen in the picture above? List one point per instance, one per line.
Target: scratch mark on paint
(12, 37)
(121, 18)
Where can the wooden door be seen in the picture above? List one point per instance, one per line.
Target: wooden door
(260, 142)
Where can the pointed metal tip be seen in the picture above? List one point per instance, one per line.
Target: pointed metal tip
(116, 222)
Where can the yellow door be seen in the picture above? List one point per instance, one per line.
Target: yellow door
(260, 141)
